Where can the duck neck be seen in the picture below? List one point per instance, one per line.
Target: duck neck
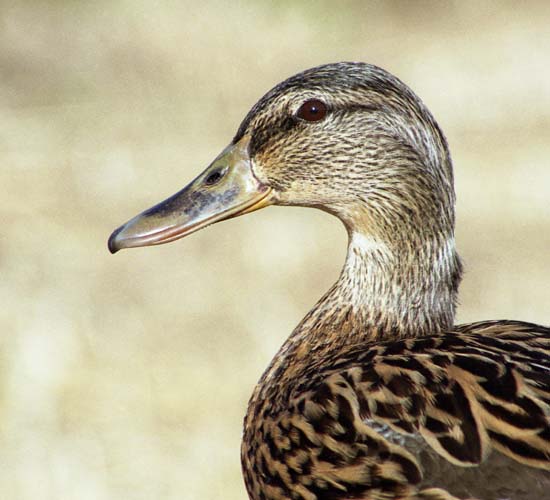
(386, 291)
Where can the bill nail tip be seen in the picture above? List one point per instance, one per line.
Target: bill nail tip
(111, 244)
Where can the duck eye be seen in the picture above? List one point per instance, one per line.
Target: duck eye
(312, 110)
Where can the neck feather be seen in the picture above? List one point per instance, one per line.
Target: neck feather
(386, 292)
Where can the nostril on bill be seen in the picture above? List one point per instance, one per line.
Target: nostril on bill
(215, 176)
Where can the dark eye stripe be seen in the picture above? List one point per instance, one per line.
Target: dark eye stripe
(312, 110)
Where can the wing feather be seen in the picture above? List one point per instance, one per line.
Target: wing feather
(342, 434)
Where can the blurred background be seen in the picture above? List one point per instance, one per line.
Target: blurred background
(127, 376)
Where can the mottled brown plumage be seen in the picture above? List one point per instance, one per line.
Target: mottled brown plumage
(375, 395)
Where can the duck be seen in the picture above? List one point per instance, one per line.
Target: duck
(376, 394)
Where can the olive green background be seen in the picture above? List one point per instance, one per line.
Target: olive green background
(127, 376)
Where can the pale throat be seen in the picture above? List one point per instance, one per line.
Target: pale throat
(386, 292)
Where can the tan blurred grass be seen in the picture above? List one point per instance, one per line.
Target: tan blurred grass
(127, 376)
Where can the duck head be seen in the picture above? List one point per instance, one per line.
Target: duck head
(354, 141)
(347, 138)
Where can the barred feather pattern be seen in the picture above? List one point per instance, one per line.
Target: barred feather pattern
(357, 423)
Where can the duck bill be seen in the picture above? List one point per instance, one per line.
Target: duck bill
(227, 188)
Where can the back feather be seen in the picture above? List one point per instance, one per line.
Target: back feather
(483, 387)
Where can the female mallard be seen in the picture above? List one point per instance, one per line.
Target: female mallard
(375, 395)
